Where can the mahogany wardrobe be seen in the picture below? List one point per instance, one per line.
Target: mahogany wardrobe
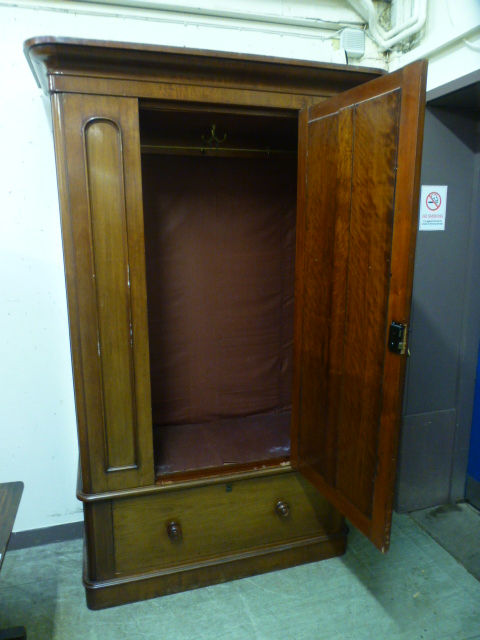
(239, 237)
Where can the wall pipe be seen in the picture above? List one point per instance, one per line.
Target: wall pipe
(388, 39)
(197, 10)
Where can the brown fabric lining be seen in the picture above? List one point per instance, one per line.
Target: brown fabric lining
(220, 253)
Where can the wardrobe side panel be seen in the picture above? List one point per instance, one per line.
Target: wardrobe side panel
(98, 160)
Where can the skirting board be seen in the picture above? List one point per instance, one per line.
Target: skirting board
(46, 535)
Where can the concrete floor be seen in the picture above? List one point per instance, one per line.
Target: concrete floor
(456, 527)
(416, 591)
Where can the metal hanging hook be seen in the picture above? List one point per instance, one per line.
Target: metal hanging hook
(213, 138)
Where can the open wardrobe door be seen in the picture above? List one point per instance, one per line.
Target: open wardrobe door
(358, 185)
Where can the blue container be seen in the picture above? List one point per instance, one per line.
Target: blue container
(473, 469)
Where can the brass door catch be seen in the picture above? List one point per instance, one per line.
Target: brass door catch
(397, 338)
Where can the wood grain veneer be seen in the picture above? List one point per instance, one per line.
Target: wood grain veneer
(105, 267)
(357, 218)
(217, 521)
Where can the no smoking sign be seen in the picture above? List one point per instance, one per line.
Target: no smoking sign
(434, 200)
(433, 208)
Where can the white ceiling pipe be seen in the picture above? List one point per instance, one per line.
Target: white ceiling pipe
(412, 26)
(402, 26)
(367, 10)
(254, 16)
(387, 39)
(363, 7)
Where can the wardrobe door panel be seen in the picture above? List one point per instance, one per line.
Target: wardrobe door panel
(357, 217)
(98, 153)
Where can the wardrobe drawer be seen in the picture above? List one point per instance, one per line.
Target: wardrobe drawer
(217, 520)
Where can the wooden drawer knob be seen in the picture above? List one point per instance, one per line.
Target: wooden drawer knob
(174, 530)
(282, 509)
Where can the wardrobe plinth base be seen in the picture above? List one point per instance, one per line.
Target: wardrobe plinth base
(128, 589)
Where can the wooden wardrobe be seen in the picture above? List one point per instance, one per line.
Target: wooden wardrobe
(239, 237)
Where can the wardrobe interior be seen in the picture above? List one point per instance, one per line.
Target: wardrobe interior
(219, 199)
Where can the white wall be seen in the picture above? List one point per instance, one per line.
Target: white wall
(451, 43)
(38, 432)
(38, 443)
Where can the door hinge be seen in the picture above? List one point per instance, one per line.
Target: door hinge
(397, 338)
